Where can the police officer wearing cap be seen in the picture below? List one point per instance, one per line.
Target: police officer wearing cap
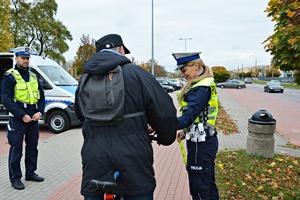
(198, 104)
(23, 97)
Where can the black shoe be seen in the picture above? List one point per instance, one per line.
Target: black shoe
(18, 185)
(35, 178)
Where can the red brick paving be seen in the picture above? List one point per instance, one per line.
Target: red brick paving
(169, 169)
(286, 112)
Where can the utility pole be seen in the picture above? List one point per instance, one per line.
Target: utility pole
(185, 42)
(242, 72)
(152, 57)
(255, 66)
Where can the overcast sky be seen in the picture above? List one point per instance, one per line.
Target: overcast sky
(229, 33)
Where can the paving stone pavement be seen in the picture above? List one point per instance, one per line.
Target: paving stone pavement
(60, 162)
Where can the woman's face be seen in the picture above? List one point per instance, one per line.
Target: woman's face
(190, 71)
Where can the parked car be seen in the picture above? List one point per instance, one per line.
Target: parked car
(167, 88)
(248, 80)
(165, 82)
(273, 86)
(175, 82)
(183, 80)
(232, 84)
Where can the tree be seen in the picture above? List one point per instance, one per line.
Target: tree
(6, 38)
(284, 44)
(85, 51)
(220, 73)
(145, 66)
(297, 77)
(34, 25)
(273, 73)
(159, 70)
(248, 74)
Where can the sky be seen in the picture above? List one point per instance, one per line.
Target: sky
(229, 33)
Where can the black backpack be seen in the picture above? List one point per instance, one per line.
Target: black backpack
(101, 98)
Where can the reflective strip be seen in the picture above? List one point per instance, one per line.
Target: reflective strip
(183, 152)
(134, 114)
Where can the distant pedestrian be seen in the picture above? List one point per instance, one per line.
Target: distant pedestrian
(198, 104)
(124, 146)
(24, 99)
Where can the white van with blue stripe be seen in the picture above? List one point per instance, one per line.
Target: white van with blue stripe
(59, 87)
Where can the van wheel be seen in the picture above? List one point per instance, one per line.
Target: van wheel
(58, 121)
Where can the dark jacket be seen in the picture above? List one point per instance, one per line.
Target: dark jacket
(8, 92)
(125, 147)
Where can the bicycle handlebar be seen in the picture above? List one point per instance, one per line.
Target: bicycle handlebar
(104, 185)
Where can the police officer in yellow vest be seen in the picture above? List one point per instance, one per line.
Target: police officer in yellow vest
(198, 104)
(23, 97)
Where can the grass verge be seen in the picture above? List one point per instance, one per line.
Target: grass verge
(241, 176)
(245, 177)
(225, 123)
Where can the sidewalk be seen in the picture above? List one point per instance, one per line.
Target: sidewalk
(60, 162)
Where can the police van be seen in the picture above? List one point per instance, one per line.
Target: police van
(59, 87)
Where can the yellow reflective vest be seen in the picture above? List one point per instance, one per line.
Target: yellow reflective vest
(26, 92)
(209, 115)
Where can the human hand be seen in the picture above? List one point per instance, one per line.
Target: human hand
(36, 116)
(150, 130)
(180, 135)
(26, 119)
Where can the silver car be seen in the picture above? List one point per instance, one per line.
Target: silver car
(232, 84)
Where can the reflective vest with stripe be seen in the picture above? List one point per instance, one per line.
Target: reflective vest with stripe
(26, 92)
(209, 115)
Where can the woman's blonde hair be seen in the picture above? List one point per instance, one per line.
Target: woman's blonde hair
(207, 72)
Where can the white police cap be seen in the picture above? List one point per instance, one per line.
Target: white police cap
(22, 51)
(183, 58)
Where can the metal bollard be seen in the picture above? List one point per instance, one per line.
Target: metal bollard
(261, 129)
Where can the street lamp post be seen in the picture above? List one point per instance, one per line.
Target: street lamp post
(152, 58)
(255, 66)
(185, 42)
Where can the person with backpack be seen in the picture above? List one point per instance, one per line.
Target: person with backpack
(116, 100)
(198, 105)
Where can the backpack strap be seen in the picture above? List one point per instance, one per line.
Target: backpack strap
(134, 114)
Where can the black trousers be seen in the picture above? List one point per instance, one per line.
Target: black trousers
(17, 132)
(201, 168)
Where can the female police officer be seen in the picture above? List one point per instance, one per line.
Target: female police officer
(198, 105)
(24, 99)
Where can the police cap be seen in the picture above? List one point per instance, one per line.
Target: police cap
(22, 51)
(183, 58)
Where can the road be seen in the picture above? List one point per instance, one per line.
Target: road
(288, 94)
(284, 107)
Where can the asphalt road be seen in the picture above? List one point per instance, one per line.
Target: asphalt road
(288, 94)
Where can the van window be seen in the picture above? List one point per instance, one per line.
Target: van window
(58, 75)
(42, 81)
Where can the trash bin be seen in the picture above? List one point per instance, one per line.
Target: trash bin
(261, 129)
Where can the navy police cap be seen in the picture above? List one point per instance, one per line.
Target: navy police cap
(183, 58)
(22, 51)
